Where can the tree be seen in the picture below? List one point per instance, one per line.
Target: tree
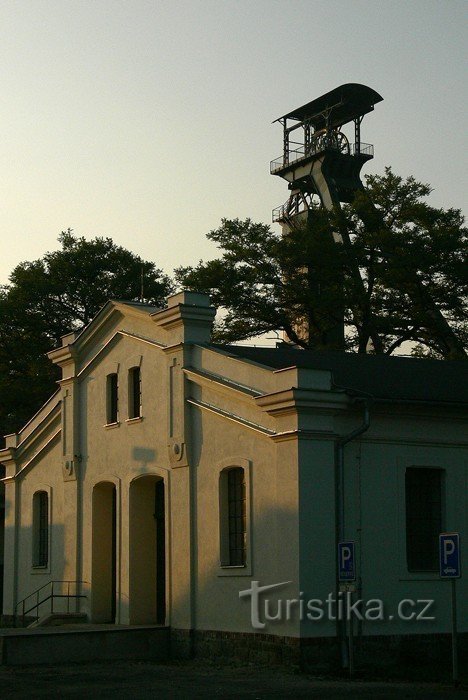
(49, 297)
(415, 257)
(399, 274)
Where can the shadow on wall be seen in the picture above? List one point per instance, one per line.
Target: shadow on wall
(144, 456)
(277, 629)
(2, 532)
(34, 588)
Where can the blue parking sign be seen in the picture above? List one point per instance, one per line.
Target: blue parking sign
(449, 555)
(346, 562)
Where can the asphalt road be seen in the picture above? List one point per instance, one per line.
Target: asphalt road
(196, 680)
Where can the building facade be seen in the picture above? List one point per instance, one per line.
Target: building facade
(169, 478)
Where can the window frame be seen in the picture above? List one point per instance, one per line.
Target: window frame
(233, 549)
(226, 566)
(41, 530)
(112, 393)
(413, 565)
(134, 415)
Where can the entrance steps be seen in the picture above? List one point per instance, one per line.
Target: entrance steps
(87, 642)
(58, 619)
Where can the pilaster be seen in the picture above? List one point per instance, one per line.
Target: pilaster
(11, 532)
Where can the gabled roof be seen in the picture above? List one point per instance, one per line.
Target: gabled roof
(78, 339)
(112, 304)
(381, 376)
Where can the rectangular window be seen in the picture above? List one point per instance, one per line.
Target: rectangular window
(423, 518)
(236, 516)
(112, 398)
(134, 392)
(41, 528)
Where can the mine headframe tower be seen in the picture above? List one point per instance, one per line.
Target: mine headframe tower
(318, 158)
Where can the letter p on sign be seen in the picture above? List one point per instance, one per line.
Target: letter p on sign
(345, 555)
(449, 555)
(346, 562)
(449, 548)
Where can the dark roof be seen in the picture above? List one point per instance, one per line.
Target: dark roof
(348, 101)
(382, 376)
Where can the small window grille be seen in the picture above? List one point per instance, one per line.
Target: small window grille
(236, 516)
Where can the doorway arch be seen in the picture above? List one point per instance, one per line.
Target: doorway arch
(104, 552)
(147, 560)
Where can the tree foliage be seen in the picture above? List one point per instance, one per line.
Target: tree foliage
(49, 297)
(398, 274)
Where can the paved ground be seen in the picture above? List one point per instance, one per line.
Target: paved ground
(195, 680)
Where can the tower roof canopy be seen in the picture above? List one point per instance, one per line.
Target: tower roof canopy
(344, 103)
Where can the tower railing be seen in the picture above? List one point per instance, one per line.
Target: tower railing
(298, 154)
(363, 149)
(293, 156)
(281, 212)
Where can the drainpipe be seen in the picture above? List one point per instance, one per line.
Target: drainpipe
(340, 503)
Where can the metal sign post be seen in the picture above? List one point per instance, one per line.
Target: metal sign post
(449, 568)
(346, 578)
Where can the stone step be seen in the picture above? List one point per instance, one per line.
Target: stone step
(58, 619)
(86, 642)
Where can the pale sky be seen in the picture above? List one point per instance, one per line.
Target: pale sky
(149, 121)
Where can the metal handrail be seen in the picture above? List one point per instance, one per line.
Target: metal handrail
(366, 149)
(300, 153)
(279, 213)
(293, 156)
(51, 596)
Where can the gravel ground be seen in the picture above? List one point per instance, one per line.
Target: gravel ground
(198, 680)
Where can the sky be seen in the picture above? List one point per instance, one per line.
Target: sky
(149, 121)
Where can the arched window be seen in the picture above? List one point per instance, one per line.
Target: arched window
(233, 530)
(134, 392)
(40, 528)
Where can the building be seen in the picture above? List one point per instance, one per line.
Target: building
(167, 474)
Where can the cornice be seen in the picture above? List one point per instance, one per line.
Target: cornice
(62, 355)
(33, 458)
(177, 316)
(35, 436)
(280, 403)
(35, 422)
(123, 333)
(174, 347)
(223, 385)
(7, 455)
(263, 430)
(301, 434)
(88, 334)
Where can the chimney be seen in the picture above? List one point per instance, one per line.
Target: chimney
(188, 318)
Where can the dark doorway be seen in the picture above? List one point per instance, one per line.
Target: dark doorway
(159, 514)
(147, 551)
(104, 553)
